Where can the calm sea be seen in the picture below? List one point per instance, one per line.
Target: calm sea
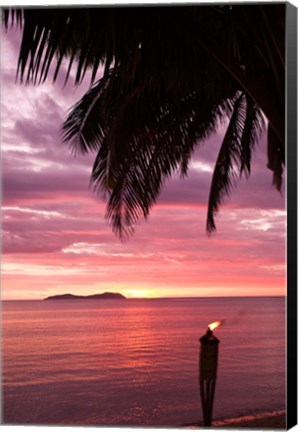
(135, 362)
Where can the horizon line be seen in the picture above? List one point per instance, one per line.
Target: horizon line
(155, 298)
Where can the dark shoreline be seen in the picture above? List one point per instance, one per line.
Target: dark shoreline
(267, 420)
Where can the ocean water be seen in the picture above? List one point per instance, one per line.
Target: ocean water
(135, 362)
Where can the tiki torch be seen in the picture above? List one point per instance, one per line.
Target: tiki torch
(208, 370)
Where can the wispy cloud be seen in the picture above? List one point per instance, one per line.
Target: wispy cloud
(98, 249)
(44, 213)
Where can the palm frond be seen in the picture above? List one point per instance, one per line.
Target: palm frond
(234, 155)
(253, 127)
(276, 157)
(140, 145)
(149, 158)
(84, 126)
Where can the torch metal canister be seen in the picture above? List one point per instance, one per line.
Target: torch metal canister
(208, 372)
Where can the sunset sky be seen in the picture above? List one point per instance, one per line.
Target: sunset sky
(56, 240)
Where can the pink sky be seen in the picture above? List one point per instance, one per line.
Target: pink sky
(55, 238)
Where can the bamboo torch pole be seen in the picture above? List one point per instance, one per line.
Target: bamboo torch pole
(208, 371)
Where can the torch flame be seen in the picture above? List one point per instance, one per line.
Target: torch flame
(214, 325)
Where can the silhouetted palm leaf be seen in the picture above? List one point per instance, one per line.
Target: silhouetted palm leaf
(253, 127)
(243, 132)
(83, 128)
(276, 157)
(150, 158)
(139, 147)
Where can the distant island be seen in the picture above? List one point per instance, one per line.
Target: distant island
(103, 296)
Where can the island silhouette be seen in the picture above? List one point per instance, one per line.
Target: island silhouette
(102, 296)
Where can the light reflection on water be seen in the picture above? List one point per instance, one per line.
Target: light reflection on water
(135, 362)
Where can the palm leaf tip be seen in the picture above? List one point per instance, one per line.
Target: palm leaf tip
(224, 175)
(244, 130)
(210, 225)
(121, 225)
(275, 157)
(253, 127)
(12, 16)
